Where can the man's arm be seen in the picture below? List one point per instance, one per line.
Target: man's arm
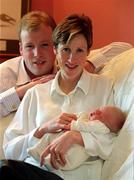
(10, 99)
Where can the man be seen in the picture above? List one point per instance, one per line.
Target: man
(35, 65)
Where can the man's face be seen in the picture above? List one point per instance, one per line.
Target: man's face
(37, 50)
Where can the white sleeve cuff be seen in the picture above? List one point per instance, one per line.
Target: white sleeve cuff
(32, 140)
(10, 100)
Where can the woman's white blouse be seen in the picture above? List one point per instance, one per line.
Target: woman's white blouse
(46, 101)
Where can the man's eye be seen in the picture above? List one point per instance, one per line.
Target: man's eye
(29, 46)
(45, 44)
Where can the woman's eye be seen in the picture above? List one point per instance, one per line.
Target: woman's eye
(80, 50)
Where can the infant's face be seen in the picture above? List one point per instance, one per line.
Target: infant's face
(106, 115)
(99, 114)
(95, 114)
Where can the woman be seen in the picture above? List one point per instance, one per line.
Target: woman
(49, 107)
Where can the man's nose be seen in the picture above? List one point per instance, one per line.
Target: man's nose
(36, 52)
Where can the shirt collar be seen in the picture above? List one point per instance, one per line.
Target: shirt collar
(23, 77)
(80, 85)
(83, 82)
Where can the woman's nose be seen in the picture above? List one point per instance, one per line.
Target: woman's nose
(72, 57)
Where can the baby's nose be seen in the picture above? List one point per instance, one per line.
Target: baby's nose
(92, 113)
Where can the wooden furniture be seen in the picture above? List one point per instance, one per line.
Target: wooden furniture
(4, 57)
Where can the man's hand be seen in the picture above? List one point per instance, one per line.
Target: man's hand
(21, 90)
(89, 67)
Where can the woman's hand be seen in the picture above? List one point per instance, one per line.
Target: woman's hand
(58, 148)
(56, 124)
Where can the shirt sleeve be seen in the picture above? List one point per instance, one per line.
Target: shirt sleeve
(84, 124)
(9, 101)
(97, 144)
(17, 149)
(19, 135)
(103, 55)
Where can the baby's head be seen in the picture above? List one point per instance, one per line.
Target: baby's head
(111, 116)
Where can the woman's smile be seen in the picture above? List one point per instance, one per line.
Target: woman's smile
(71, 66)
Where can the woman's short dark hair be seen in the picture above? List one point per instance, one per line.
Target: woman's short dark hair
(72, 25)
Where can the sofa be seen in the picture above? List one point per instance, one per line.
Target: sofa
(4, 122)
(120, 164)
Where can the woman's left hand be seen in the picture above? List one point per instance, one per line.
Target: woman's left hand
(58, 148)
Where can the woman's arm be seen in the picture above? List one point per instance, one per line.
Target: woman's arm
(58, 148)
(18, 134)
(23, 132)
(58, 123)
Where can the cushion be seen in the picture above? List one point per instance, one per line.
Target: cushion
(4, 122)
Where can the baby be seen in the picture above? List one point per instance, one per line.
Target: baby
(106, 121)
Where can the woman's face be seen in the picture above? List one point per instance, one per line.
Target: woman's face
(71, 57)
